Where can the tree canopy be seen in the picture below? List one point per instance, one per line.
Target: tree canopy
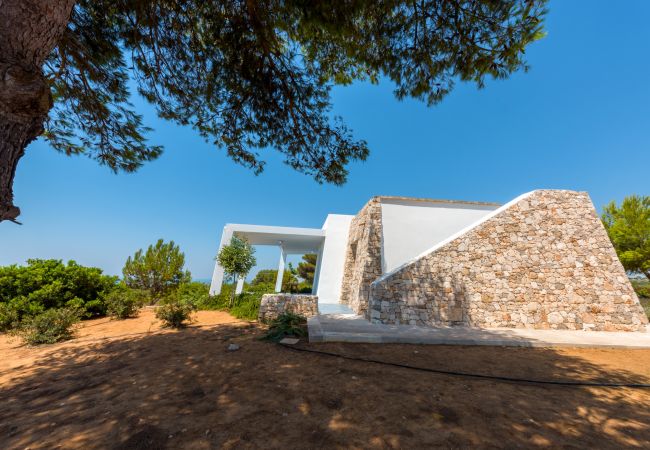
(247, 76)
(269, 277)
(237, 258)
(628, 227)
(307, 267)
(158, 270)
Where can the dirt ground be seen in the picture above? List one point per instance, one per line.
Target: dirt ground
(129, 384)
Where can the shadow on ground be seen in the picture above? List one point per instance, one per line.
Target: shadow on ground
(184, 390)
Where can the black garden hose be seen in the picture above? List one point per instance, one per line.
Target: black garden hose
(475, 375)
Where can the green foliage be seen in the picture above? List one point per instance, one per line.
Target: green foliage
(304, 288)
(287, 324)
(243, 306)
(642, 288)
(237, 258)
(26, 291)
(246, 306)
(9, 317)
(307, 268)
(628, 227)
(254, 75)
(194, 292)
(267, 277)
(124, 302)
(645, 303)
(174, 311)
(50, 326)
(158, 271)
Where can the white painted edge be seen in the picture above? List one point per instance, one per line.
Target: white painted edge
(271, 229)
(456, 235)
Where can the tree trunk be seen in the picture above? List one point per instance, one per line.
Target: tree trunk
(29, 31)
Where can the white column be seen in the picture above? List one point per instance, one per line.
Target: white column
(319, 258)
(217, 275)
(240, 285)
(283, 260)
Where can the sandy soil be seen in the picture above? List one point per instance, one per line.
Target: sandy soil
(129, 384)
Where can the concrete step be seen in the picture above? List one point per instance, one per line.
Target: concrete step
(353, 328)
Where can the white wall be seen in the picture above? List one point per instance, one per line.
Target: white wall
(329, 275)
(411, 227)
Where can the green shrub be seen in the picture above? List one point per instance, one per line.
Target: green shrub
(9, 317)
(246, 306)
(194, 292)
(305, 288)
(124, 302)
(642, 288)
(645, 303)
(287, 324)
(96, 308)
(26, 291)
(260, 289)
(52, 325)
(174, 311)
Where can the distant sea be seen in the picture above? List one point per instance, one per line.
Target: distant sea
(203, 280)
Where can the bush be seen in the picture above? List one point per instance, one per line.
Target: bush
(642, 288)
(645, 303)
(52, 325)
(194, 292)
(174, 311)
(245, 305)
(26, 291)
(123, 302)
(9, 317)
(287, 324)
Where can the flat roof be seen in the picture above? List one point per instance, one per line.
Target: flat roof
(397, 198)
(294, 239)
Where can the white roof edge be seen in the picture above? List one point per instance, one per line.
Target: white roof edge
(243, 227)
(456, 235)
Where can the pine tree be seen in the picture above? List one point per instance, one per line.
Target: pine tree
(158, 270)
(247, 76)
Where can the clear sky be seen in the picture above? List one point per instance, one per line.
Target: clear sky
(579, 119)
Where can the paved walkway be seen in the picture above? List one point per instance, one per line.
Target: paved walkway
(353, 328)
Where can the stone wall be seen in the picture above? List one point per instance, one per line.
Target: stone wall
(363, 257)
(545, 262)
(274, 305)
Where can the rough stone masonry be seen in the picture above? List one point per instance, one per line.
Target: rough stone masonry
(273, 305)
(545, 262)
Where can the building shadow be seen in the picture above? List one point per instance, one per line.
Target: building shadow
(184, 390)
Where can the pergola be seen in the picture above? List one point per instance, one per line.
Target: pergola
(289, 240)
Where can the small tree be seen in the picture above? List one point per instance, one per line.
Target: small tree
(628, 227)
(237, 259)
(157, 271)
(307, 267)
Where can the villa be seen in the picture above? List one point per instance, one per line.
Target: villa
(541, 261)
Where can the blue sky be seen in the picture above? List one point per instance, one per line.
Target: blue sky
(579, 119)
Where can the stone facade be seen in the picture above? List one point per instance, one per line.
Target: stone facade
(363, 257)
(274, 305)
(544, 262)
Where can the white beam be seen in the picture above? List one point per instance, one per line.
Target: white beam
(283, 261)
